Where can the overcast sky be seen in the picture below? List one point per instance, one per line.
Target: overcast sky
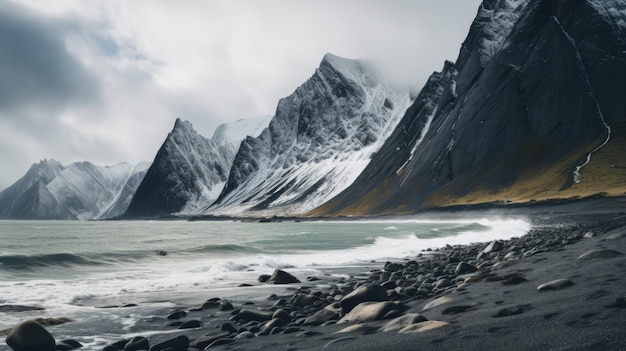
(104, 80)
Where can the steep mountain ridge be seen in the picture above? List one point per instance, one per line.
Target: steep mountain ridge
(80, 190)
(520, 124)
(189, 170)
(321, 137)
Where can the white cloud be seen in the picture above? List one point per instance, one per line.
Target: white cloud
(135, 66)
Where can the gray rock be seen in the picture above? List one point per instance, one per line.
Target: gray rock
(177, 315)
(207, 339)
(245, 335)
(179, 343)
(369, 311)
(305, 300)
(320, 317)
(597, 254)
(30, 336)
(274, 323)
(282, 277)
(68, 344)
(226, 305)
(282, 314)
(555, 285)
(464, 268)
(190, 324)
(253, 315)
(403, 321)
(366, 292)
(137, 343)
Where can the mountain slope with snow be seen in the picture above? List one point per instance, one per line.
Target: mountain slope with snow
(321, 137)
(80, 190)
(531, 110)
(189, 171)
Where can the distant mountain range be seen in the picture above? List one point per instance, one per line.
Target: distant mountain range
(532, 109)
(80, 190)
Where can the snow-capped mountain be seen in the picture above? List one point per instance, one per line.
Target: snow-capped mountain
(533, 109)
(189, 171)
(320, 139)
(80, 190)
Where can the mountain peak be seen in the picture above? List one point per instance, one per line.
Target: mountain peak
(352, 69)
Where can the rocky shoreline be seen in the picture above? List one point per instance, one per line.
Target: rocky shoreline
(561, 286)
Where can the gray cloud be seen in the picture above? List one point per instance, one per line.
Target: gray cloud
(104, 80)
(35, 66)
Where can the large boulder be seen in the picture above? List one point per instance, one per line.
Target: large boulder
(282, 277)
(366, 292)
(369, 311)
(30, 336)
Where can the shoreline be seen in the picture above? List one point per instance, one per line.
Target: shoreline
(496, 306)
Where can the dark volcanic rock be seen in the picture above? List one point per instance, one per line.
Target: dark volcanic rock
(464, 268)
(598, 253)
(282, 277)
(184, 167)
(493, 112)
(366, 292)
(555, 285)
(179, 343)
(137, 343)
(30, 336)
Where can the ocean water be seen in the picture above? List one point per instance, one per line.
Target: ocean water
(71, 268)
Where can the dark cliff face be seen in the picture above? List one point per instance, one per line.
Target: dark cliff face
(510, 112)
(184, 171)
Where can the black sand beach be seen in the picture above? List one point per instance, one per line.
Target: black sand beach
(476, 297)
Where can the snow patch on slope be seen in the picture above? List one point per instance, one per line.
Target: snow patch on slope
(500, 21)
(321, 139)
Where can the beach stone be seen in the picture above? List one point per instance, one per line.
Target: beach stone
(244, 335)
(263, 278)
(366, 292)
(219, 342)
(597, 254)
(437, 302)
(228, 327)
(206, 339)
(355, 328)
(177, 315)
(282, 314)
(423, 326)
(464, 268)
(494, 246)
(179, 343)
(226, 305)
(305, 300)
(403, 321)
(555, 285)
(282, 277)
(68, 344)
(369, 311)
(320, 317)
(253, 315)
(276, 322)
(110, 348)
(137, 343)
(30, 336)
(190, 324)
